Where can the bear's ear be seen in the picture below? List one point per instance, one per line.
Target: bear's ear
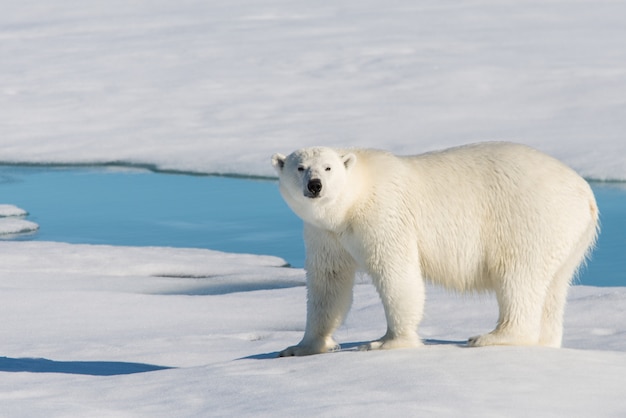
(278, 161)
(349, 160)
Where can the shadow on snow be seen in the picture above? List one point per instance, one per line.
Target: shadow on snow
(90, 368)
(355, 346)
(213, 285)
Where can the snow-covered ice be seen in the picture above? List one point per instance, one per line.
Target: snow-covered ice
(11, 210)
(211, 324)
(11, 222)
(220, 86)
(13, 226)
(217, 87)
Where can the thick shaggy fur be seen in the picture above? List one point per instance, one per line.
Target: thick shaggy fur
(500, 217)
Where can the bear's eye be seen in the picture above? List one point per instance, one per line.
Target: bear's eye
(327, 168)
(300, 168)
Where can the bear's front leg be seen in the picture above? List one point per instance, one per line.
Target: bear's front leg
(330, 279)
(401, 289)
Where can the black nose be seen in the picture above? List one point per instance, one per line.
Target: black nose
(314, 186)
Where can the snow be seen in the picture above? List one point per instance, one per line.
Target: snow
(11, 226)
(11, 223)
(11, 210)
(217, 87)
(123, 331)
(189, 85)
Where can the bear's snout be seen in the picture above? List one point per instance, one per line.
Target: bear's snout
(314, 186)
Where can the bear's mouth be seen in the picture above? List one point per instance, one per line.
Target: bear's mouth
(311, 195)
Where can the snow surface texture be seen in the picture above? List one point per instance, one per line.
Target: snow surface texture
(115, 331)
(218, 87)
(11, 224)
(11, 210)
(12, 227)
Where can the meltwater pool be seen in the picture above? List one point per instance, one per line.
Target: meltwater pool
(134, 206)
(138, 207)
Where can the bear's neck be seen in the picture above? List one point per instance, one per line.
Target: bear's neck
(327, 217)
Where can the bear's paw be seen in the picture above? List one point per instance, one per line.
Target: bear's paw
(501, 338)
(392, 343)
(307, 349)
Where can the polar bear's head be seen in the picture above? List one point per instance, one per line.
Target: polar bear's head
(313, 180)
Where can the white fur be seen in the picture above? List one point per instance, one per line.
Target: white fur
(492, 216)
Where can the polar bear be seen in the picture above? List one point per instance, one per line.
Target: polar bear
(498, 217)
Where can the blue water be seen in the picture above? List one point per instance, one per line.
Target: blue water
(141, 208)
(122, 206)
(607, 266)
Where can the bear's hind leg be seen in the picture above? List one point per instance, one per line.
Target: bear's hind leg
(553, 310)
(556, 298)
(521, 305)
